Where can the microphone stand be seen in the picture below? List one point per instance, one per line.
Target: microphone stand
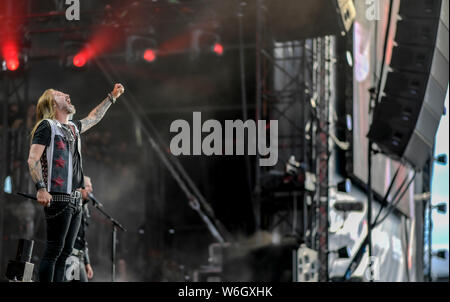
(115, 224)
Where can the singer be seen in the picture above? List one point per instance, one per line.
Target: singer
(55, 166)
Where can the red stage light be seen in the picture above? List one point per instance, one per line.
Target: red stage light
(218, 49)
(149, 55)
(79, 60)
(11, 55)
(12, 64)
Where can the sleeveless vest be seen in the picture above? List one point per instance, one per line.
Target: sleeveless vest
(57, 162)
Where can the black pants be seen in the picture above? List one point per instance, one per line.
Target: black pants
(61, 234)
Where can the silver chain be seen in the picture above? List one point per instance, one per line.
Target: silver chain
(53, 216)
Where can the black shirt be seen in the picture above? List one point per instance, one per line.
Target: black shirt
(42, 136)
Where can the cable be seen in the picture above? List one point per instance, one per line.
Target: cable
(359, 253)
(393, 205)
(386, 41)
(384, 201)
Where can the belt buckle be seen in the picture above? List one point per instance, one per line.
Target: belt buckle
(76, 194)
(76, 198)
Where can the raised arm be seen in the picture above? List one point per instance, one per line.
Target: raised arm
(34, 165)
(95, 115)
(98, 113)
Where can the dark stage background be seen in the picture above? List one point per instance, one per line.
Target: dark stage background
(166, 239)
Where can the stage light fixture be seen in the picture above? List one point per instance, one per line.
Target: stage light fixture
(14, 64)
(345, 186)
(203, 42)
(149, 55)
(11, 55)
(79, 60)
(13, 59)
(73, 57)
(441, 159)
(349, 122)
(441, 208)
(218, 49)
(440, 254)
(140, 48)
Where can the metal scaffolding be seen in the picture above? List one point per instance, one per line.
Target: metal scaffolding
(325, 47)
(293, 80)
(14, 139)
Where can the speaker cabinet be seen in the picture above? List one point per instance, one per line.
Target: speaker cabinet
(406, 120)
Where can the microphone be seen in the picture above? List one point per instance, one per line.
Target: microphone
(95, 202)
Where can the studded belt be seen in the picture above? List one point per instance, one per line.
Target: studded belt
(74, 198)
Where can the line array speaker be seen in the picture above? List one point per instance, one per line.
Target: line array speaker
(406, 120)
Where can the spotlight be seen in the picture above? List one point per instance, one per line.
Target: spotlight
(12, 63)
(218, 49)
(8, 185)
(206, 42)
(441, 159)
(441, 207)
(13, 59)
(149, 55)
(440, 254)
(349, 122)
(11, 55)
(345, 186)
(140, 48)
(79, 60)
(73, 57)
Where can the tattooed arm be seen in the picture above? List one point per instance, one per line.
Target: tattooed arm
(98, 113)
(34, 165)
(95, 116)
(34, 162)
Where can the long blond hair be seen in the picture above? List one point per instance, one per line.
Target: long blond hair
(44, 109)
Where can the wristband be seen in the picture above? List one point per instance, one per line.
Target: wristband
(111, 98)
(40, 185)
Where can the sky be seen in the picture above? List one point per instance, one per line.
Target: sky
(440, 184)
